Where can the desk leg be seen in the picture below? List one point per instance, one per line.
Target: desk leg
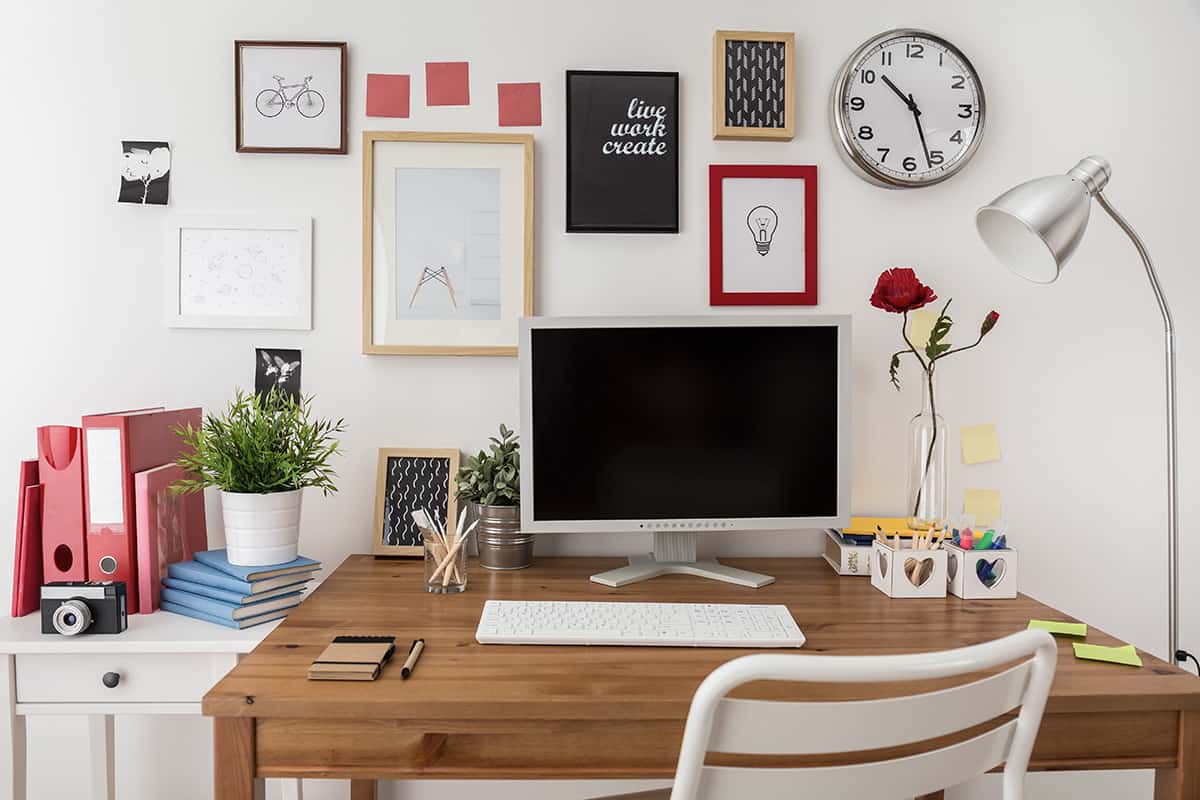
(101, 757)
(12, 734)
(233, 758)
(362, 790)
(1183, 781)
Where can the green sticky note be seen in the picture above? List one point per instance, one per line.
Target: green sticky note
(1064, 628)
(1115, 655)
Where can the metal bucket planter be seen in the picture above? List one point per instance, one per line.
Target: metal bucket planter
(498, 535)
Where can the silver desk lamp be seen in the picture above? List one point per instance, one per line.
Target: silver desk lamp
(1033, 229)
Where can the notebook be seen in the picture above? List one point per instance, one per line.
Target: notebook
(199, 573)
(227, 596)
(219, 561)
(353, 658)
(228, 623)
(228, 610)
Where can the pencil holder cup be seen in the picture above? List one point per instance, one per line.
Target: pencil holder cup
(981, 574)
(445, 565)
(908, 573)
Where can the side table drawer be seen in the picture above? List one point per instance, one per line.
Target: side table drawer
(141, 677)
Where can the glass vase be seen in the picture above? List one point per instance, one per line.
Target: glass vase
(927, 434)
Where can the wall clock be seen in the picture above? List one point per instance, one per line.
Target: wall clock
(907, 109)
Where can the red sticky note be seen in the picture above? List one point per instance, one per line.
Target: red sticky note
(387, 95)
(447, 83)
(520, 103)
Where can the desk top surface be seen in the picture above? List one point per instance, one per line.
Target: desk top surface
(459, 679)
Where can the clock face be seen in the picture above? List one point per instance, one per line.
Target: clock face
(907, 109)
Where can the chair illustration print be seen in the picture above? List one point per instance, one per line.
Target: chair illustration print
(440, 275)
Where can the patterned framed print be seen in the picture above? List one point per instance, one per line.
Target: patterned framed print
(754, 91)
(411, 480)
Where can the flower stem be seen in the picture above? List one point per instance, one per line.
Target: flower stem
(932, 441)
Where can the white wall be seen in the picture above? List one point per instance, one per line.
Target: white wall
(1071, 375)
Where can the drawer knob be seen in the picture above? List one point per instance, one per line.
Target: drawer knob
(111, 679)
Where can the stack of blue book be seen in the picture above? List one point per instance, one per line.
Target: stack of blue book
(210, 588)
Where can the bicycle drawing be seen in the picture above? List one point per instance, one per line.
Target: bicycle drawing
(308, 102)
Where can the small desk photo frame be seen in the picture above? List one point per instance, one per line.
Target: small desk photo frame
(754, 85)
(408, 480)
(239, 271)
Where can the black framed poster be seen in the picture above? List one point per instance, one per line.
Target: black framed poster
(622, 152)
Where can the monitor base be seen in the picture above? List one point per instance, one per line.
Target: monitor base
(643, 568)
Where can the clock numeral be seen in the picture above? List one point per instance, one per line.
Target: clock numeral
(868, 76)
(909, 164)
(885, 151)
(936, 157)
(865, 132)
(885, 59)
(857, 104)
(964, 110)
(940, 58)
(958, 82)
(913, 50)
(956, 137)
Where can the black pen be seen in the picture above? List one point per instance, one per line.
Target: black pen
(410, 663)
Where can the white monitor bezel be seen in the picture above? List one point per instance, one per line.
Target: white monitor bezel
(687, 524)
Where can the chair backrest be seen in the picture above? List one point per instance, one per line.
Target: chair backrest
(717, 723)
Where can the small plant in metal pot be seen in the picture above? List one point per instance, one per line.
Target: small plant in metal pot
(261, 452)
(491, 482)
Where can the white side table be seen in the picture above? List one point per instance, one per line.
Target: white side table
(163, 664)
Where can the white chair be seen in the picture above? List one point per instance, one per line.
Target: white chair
(720, 724)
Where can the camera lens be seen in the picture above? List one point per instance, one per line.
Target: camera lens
(72, 617)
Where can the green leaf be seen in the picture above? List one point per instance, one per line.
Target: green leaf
(493, 477)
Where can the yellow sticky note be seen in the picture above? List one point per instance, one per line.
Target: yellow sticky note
(920, 325)
(983, 504)
(980, 443)
(1064, 628)
(1114, 655)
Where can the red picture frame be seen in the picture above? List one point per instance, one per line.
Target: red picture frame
(718, 296)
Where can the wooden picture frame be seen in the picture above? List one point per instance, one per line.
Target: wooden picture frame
(207, 283)
(767, 258)
(286, 100)
(411, 470)
(746, 77)
(396, 272)
(622, 158)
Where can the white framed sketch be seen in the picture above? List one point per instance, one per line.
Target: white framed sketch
(290, 97)
(239, 271)
(447, 242)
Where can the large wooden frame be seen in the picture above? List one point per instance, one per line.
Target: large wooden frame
(369, 139)
(723, 131)
(387, 453)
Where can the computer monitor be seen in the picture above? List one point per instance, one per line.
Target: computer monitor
(684, 425)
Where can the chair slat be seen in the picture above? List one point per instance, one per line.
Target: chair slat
(881, 780)
(770, 727)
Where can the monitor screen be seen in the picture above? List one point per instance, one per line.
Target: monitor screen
(683, 422)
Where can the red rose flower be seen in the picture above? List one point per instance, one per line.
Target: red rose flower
(898, 290)
(989, 322)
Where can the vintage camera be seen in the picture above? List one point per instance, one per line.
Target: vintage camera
(75, 607)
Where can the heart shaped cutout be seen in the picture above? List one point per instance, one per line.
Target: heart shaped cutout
(883, 563)
(951, 568)
(918, 570)
(989, 572)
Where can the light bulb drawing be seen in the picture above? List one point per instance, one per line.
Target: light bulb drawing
(762, 222)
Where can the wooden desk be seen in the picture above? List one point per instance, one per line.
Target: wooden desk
(474, 711)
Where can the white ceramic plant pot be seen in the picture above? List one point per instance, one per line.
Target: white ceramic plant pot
(261, 529)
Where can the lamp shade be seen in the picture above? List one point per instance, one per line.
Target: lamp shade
(1034, 228)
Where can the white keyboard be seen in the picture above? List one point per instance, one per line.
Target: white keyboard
(646, 624)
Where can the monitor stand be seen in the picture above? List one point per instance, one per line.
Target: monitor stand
(675, 554)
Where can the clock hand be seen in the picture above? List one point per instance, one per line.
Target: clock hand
(908, 101)
(920, 130)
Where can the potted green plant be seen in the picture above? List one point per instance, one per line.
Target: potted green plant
(491, 483)
(261, 452)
